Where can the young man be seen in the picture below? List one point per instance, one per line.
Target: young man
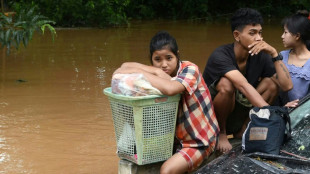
(243, 74)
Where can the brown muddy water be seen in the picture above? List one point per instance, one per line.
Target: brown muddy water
(54, 117)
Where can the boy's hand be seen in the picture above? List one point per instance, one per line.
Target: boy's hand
(261, 45)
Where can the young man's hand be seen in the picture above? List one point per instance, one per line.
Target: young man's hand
(261, 45)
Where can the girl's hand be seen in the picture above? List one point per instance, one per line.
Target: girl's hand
(292, 104)
(129, 70)
(133, 67)
(117, 71)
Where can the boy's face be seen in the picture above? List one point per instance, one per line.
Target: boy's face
(249, 34)
(165, 60)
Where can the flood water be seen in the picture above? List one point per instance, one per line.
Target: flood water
(54, 117)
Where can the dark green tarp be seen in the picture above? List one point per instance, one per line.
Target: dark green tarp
(293, 158)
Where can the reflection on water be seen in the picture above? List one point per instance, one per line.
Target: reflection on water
(54, 117)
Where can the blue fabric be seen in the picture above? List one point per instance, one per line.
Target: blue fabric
(300, 78)
(274, 122)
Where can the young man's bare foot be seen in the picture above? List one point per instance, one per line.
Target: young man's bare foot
(239, 134)
(241, 131)
(223, 144)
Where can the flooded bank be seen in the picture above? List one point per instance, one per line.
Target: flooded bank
(54, 117)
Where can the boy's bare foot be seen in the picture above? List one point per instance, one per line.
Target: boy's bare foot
(239, 134)
(223, 145)
(241, 131)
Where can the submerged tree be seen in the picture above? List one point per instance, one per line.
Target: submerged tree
(19, 28)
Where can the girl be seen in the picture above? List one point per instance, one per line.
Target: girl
(296, 36)
(197, 127)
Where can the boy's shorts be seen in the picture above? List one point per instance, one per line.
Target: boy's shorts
(194, 156)
(236, 119)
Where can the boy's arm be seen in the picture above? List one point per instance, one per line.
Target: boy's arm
(282, 76)
(240, 82)
(164, 85)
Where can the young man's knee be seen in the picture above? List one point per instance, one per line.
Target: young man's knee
(270, 85)
(273, 86)
(226, 87)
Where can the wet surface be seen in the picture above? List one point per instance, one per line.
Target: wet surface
(234, 162)
(294, 155)
(237, 162)
(54, 117)
(300, 142)
(299, 145)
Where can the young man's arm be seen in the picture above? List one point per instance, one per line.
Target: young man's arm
(240, 82)
(282, 76)
(165, 86)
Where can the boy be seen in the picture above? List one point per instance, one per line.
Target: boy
(248, 71)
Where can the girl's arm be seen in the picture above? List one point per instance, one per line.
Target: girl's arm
(164, 85)
(150, 69)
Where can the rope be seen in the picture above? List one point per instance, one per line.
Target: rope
(292, 154)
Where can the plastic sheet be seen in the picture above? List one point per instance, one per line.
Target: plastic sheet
(132, 85)
(236, 162)
(294, 155)
(300, 142)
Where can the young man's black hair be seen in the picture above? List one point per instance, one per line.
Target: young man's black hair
(245, 16)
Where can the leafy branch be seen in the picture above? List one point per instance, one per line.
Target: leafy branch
(17, 28)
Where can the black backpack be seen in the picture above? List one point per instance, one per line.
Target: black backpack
(268, 129)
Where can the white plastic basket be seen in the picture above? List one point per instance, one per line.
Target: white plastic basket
(144, 126)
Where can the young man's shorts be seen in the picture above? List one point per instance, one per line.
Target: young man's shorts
(236, 119)
(194, 156)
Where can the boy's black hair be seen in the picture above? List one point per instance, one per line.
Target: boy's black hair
(162, 40)
(245, 16)
(299, 23)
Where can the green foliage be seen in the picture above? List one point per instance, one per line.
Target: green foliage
(102, 13)
(20, 27)
(268, 8)
(301, 4)
(174, 9)
(72, 13)
(107, 13)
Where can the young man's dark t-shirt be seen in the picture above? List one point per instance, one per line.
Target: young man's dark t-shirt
(223, 60)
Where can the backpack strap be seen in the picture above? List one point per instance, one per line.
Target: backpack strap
(287, 119)
(283, 112)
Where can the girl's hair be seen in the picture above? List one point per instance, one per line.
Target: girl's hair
(299, 23)
(163, 40)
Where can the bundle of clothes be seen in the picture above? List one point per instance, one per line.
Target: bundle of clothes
(132, 85)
